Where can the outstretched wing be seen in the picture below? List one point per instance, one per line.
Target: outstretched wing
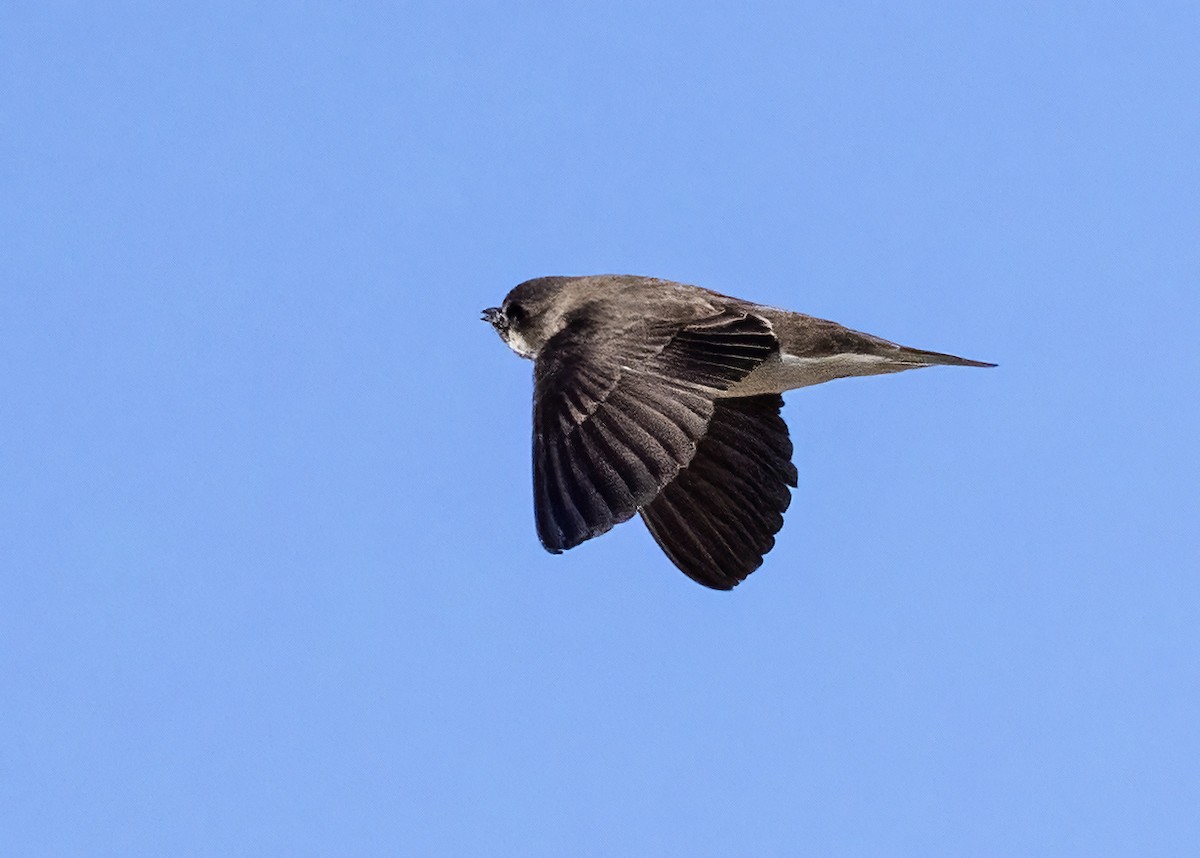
(618, 413)
(719, 517)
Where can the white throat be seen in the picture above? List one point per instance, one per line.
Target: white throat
(517, 343)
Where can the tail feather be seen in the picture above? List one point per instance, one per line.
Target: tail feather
(920, 357)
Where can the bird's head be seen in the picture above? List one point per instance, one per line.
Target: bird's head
(531, 314)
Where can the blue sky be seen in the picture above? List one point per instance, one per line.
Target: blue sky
(271, 584)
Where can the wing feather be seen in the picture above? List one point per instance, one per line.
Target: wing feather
(719, 516)
(619, 413)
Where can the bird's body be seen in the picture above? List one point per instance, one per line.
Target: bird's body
(662, 398)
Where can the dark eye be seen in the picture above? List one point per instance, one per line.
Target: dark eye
(515, 313)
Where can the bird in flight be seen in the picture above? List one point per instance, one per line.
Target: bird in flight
(663, 399)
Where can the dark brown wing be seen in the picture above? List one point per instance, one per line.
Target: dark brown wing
(719, 517)
(617, 414)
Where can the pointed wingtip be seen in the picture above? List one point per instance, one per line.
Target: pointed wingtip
(927, 358)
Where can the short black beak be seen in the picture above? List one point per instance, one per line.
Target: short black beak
(492, 315)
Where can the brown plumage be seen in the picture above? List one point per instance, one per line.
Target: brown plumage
(662, 399)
